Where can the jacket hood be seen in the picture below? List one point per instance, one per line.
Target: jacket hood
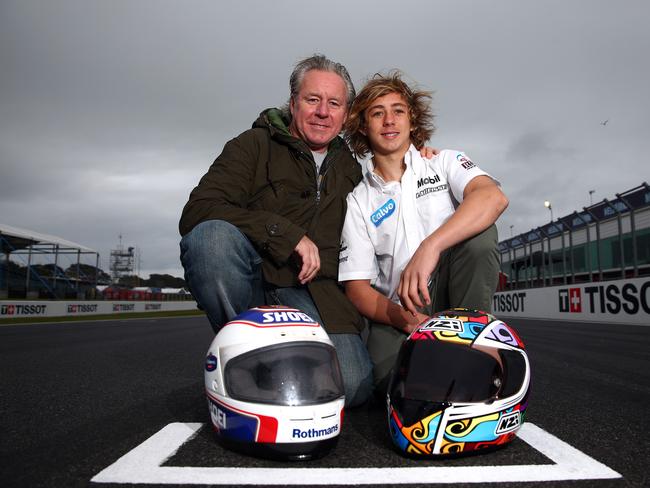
(275, 120)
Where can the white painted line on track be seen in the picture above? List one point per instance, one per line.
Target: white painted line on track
(144, 465)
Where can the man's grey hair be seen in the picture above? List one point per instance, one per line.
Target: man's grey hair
(320, 63)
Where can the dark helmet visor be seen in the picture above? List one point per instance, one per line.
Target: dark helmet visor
(443, 372)
(294, 373)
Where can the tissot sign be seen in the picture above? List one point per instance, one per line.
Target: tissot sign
(21, 310)
(26, 308)
(625, 301)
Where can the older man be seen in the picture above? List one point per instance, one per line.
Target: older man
(264, 223)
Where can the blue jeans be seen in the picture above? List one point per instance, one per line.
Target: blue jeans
(223, 271)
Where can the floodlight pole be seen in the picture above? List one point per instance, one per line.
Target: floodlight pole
(548, 205)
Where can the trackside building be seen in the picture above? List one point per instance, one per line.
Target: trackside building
(591, 265)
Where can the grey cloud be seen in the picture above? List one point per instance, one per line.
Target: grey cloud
(536, 146)
(111, 111)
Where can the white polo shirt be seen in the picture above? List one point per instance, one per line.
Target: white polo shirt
(386, 221)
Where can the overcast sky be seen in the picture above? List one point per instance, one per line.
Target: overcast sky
(111, 111)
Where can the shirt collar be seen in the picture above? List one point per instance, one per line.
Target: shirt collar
(373, 178)
(411, 159)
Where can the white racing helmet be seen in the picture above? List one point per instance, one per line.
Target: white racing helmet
(274, 385)
(460, 384)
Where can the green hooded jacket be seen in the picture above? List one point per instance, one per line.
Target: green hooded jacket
(265, 183)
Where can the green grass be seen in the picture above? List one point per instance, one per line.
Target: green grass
(108, 316)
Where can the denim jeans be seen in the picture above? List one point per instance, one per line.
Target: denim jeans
(223, 271)
(356, 367)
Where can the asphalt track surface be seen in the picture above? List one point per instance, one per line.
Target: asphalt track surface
(76, 397)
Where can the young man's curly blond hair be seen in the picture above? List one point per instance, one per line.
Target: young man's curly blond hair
(419, 105)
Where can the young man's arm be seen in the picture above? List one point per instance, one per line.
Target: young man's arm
(378, 308)
(358, 266)
(483, 202)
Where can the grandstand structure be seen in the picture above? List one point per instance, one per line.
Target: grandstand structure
(606, 241)
(23, 274)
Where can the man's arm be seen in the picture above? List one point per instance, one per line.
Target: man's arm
(379, 308)
(226, 193)
(483, 202)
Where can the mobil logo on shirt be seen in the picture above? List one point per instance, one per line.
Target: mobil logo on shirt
(383, 212)
(428, 180)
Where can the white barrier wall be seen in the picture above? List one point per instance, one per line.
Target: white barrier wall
(33, 308)
(620, 301)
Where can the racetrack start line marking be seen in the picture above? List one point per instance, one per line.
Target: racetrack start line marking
(144, 465)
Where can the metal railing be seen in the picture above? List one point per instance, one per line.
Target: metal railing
(541, 256)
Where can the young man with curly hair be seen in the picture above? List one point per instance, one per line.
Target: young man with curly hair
(419, 234)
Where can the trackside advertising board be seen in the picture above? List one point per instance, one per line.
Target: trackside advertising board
(620, 302)
(32, 308)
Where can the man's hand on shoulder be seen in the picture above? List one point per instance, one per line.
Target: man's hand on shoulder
(309, 259)
(429, 152)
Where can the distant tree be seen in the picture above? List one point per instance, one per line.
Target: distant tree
(131, 281)
(47, 270)
(164, 281)
(87, 273)
(14, 272)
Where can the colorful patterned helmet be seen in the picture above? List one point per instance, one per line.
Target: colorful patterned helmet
(460, 384)
(274, 385)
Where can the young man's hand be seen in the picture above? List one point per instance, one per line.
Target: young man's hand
(378, 308)
(413, 288)
(309, 259)
(413, 324)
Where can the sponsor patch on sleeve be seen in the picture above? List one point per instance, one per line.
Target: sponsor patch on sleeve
(464, 161)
